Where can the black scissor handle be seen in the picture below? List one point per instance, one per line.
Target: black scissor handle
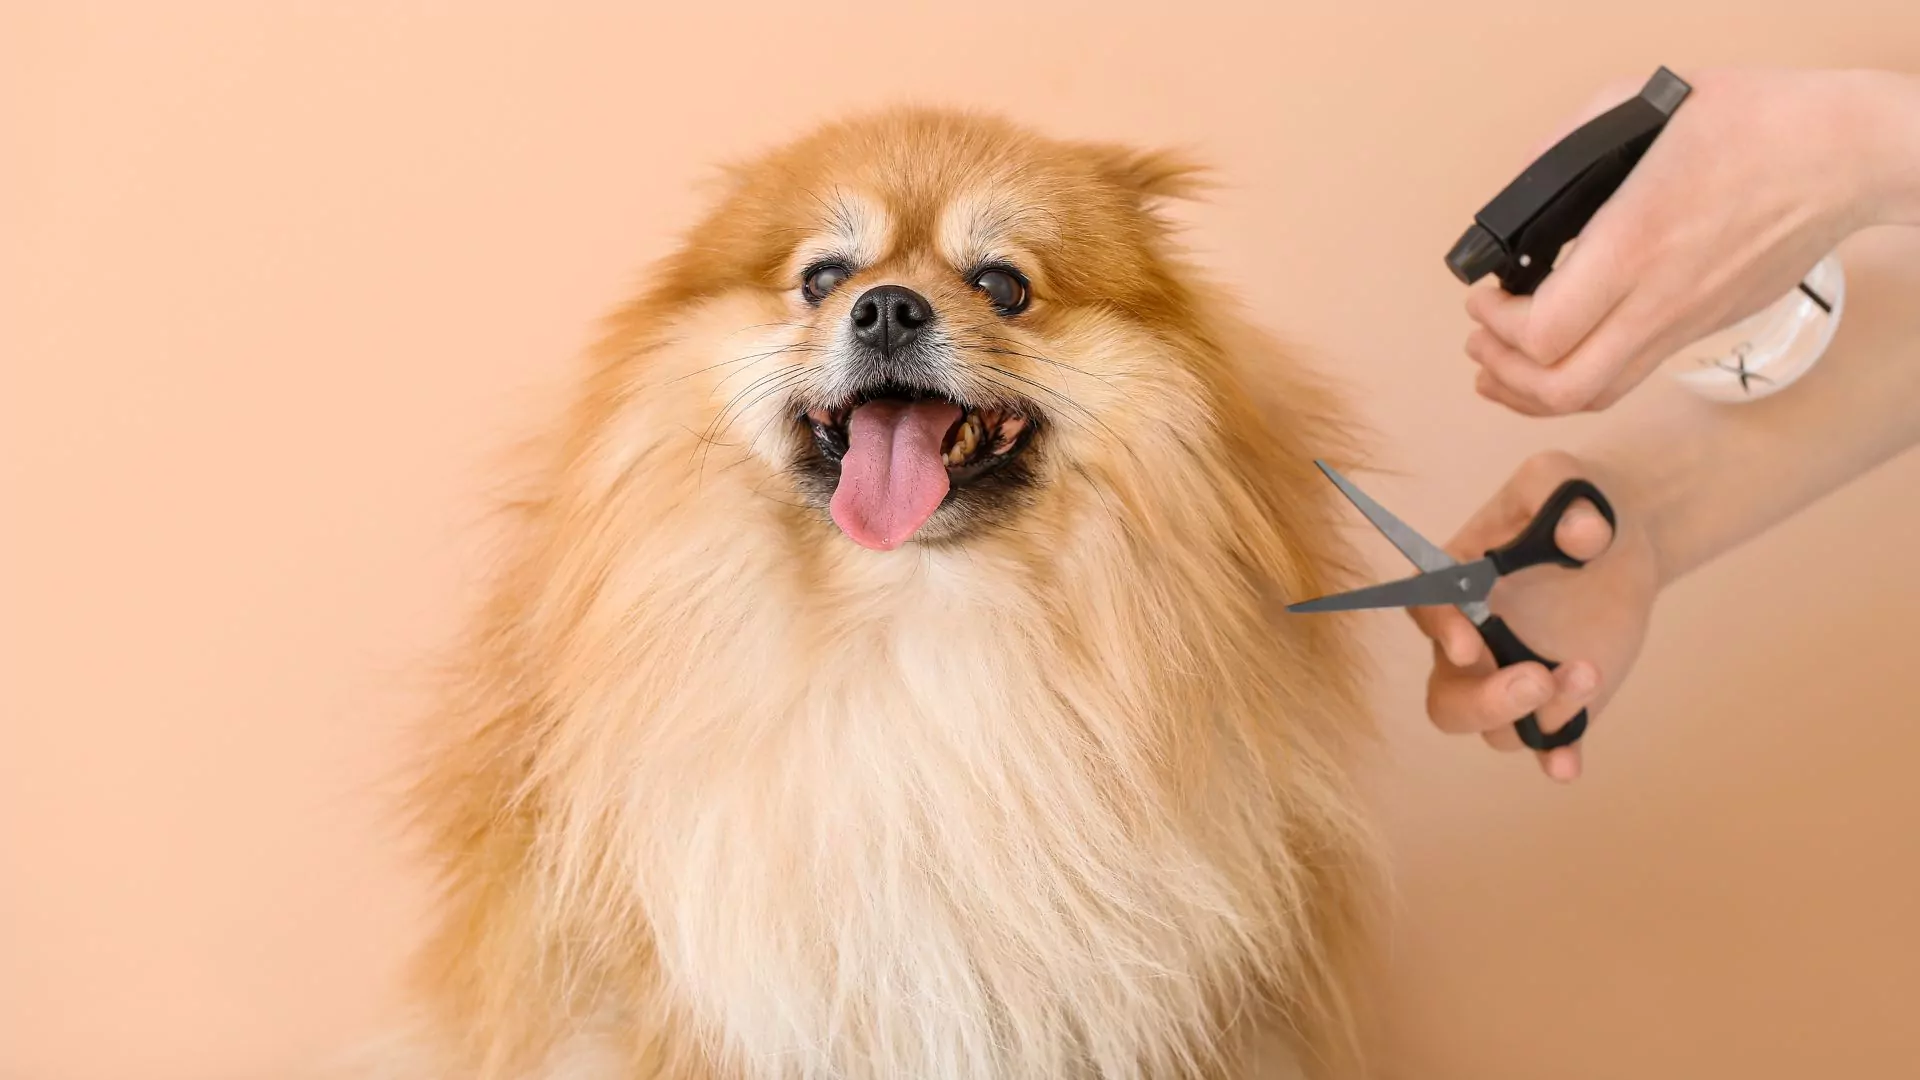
(1508, 650)
(1536, 546)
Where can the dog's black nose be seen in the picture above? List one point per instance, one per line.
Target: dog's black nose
(889, 317)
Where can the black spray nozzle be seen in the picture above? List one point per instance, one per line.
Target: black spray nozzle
(1519, 234)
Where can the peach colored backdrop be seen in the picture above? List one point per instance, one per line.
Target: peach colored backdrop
(281, 278)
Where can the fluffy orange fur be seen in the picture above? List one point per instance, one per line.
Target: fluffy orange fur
(720, 794)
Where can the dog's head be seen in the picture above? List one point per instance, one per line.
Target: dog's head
(926, 321)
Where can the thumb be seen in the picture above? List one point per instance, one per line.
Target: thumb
(1582, 532)
(1520, 500)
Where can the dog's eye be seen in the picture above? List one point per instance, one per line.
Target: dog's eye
(821, 280)
(1006, 288)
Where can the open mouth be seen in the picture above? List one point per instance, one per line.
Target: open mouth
(976, 442)
(902, 455)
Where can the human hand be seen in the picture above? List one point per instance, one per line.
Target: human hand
(1591, 620)
(1759, 175)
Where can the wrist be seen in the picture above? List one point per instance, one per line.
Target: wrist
(1651, 471)
(1642, 489)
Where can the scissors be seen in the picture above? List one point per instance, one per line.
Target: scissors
(1466, 586)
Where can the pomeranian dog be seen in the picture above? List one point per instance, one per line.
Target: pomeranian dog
(888, 677)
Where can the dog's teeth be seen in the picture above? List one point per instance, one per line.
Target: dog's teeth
(965, 441)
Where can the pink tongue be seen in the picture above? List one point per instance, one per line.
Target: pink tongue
(892, 477)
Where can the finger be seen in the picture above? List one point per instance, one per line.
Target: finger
(1575, 685)
(1495, 357)
(1452, 634)
(1495, 391)
(1481, 342)
(1570, 386)
(1504, 739)
(1461, 701)
(1576, 297)
(1562, 763)
(1582, 532)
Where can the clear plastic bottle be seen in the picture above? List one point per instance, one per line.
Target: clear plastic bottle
(1768, 351)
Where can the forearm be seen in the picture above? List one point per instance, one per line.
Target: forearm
(1706, 477)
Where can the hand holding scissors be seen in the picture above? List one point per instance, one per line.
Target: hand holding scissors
(1599, 613)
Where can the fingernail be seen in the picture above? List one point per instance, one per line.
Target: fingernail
(1563, 768)
(1581, 680)
(1529, 693)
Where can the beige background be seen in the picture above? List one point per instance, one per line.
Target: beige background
(281, 278)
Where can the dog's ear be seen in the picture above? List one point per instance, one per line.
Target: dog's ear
(1149, 174)
(725, 177)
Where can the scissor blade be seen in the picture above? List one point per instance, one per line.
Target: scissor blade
(1452, 585)
(1422, 552)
